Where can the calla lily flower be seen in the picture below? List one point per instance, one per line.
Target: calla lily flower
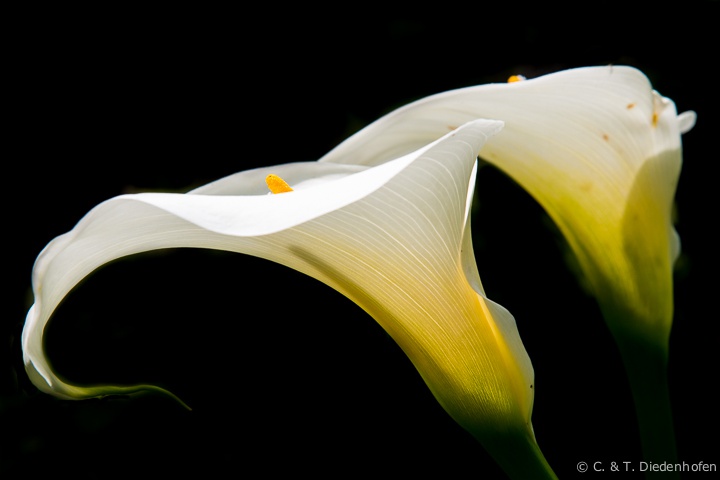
(600, 150)
(393, 237)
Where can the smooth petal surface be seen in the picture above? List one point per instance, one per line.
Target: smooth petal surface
(389, 237)
(597, 148)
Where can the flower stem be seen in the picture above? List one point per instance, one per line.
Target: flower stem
(519, 455)
(646, 367)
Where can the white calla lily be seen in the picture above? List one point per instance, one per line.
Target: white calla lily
(597, 147)
(600, 150)
(393, 237)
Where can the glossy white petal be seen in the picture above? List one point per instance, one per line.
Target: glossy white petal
(597, 147)
(389, 237)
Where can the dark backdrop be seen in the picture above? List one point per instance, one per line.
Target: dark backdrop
(106, 101)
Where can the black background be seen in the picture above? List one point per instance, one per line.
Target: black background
(283, 374)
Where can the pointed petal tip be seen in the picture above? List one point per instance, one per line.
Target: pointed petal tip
(686, 121)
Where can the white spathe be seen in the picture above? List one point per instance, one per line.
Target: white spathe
(598, 148)
(394, 238)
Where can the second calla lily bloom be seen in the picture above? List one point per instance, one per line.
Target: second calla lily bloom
(394, 238)
(600, 150)
(597, 148)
